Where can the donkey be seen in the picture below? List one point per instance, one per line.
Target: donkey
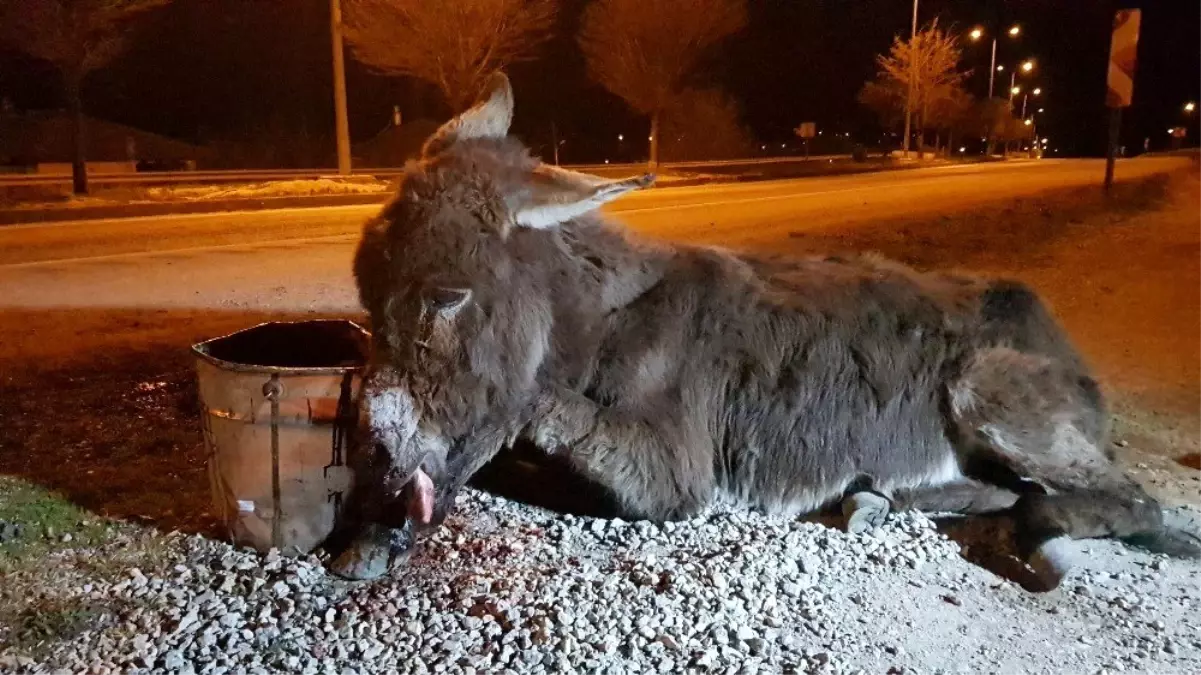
(504, 307)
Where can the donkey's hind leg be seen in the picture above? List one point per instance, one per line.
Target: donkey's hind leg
(1047, 423)
(985, 487)
(865, 510)
(965, 497)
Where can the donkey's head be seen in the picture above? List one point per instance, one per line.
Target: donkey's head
(457, 274)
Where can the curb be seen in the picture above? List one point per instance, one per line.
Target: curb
(52, 215)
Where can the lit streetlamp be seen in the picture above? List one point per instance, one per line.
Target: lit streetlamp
(1035, 92)
(993, 68)
(1189, 107)
(1026, 67)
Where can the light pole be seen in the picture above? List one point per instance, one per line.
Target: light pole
(978, 33)
(1035, 92)
(1027, 66)
(341, 125)
(912, 74)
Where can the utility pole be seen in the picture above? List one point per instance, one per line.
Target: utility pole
(912, 76)
(341, 125)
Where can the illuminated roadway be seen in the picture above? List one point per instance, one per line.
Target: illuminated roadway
(299, 259)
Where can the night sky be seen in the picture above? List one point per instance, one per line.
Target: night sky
(226, 69)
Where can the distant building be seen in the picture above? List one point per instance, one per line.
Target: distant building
(42, 142)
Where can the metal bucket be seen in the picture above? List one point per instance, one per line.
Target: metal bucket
(278, 411)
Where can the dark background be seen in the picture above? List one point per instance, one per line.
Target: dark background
(203, 70)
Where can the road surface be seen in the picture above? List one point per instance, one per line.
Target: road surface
(299, 259)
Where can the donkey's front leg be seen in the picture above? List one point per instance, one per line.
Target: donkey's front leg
(647, 464)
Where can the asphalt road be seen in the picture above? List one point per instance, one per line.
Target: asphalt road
(299, 259)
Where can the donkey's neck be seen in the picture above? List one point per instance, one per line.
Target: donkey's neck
(622, 265)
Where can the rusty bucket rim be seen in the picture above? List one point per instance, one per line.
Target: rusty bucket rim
(198, 350)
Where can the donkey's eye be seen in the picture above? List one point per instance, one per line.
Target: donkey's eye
(447, 300)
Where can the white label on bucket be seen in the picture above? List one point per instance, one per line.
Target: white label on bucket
(245, 506)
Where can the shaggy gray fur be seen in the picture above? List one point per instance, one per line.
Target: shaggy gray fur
(679, 375)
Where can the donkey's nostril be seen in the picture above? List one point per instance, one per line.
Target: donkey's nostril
(420, 506)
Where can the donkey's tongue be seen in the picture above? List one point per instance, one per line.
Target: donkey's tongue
(421, 499)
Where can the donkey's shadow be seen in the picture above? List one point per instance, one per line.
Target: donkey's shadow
(525, 474)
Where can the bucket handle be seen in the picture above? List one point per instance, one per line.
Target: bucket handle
(273, 390)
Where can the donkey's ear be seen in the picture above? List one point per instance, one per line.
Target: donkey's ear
(488, 118)
(555, 196)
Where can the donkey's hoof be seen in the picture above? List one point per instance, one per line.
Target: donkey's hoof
(865, 511)
(361, 562)
(371, 555)
(1051, 562)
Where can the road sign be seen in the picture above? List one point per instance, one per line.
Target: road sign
(807, 130)
(1123, 57)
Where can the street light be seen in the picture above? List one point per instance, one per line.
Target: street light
(1015, 90)
(993, 68)
(1035, 92)
(1027, 122)
(1026, 67)
(1041, 109)
(1189, 107)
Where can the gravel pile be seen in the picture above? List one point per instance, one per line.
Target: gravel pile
(508, 588)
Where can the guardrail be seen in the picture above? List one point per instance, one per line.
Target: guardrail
(252, 175)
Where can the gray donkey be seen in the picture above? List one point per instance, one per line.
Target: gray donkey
(504, 307)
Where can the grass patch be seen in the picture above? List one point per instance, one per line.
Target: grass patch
(37, 627)
(40, 522)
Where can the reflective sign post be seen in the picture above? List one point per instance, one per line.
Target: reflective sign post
(1123, 53)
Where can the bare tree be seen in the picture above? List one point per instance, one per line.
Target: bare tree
(77, 37)
(945, 109)
(949, 111)
(643, 50)
(931, 58)
(886, 99)
(994, 119)
(703, 124)
(453, 45)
